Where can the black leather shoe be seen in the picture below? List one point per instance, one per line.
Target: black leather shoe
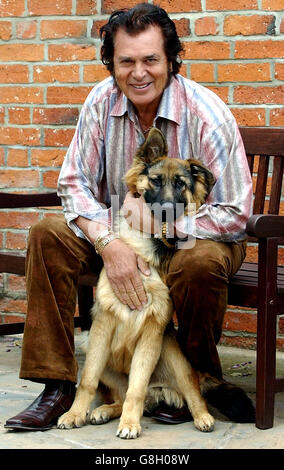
(171, 415)
(43, 413)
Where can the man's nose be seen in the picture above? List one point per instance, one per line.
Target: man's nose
(139, 71)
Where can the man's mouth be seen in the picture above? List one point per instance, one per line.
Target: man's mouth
(141, 87)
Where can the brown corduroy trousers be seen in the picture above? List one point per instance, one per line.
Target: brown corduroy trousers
(197, 280)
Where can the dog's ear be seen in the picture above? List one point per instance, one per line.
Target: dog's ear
(201, 175)
(154, 147)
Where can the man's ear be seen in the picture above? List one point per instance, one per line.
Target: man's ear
(202, 174)
(154, 147)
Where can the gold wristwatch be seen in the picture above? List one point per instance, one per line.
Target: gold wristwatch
(103, 240)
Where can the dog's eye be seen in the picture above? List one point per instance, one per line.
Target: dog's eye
(156, 181)
(179, 183)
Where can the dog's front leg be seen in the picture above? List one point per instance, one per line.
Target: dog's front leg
(145, 358)
(96, 359)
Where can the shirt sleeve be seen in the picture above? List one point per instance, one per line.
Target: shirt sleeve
(82, 172)
(229, 205)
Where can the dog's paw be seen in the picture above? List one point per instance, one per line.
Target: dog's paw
(99, 416)
(204, 422)
(128, 431)
(71, 420)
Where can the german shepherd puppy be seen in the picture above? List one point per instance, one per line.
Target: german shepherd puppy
(132, 352)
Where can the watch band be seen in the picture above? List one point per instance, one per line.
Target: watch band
(102, 241)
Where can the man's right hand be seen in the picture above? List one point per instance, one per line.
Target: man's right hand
(122, 267)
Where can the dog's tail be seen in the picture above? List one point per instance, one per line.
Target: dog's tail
(230, 400)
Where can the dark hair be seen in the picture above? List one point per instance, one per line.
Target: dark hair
(136, 20)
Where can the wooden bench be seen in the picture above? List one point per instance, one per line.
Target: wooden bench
(257, 285)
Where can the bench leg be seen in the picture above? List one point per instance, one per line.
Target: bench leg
(266, 335)
(85, 303)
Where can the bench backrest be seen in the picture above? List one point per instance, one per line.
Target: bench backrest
(265, 152)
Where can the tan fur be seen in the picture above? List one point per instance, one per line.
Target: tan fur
(130, 352)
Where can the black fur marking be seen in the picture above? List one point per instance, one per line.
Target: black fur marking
(232, 402)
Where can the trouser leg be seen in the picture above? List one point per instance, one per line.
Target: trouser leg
(198, 280)
(55, 259)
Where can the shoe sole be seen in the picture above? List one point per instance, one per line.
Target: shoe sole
(20, 427)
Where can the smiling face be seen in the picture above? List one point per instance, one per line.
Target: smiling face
(141, 68)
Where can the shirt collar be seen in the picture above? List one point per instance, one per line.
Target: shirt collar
(169, 107)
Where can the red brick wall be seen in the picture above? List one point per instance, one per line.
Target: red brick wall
(50, 60)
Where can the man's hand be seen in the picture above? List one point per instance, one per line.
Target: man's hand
(122, 267)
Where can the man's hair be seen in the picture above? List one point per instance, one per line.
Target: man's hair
(136, 20)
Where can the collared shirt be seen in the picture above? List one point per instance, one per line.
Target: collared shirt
(196, 124)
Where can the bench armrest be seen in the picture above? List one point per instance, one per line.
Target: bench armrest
(265, 225)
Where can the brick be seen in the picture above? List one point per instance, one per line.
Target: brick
(245, 342)
(97, 24)
(13, 305)
(259, 49)
(71, 52)
(222, 92)
(5, 30)
(248, 25)
(17, 283)
(14, 318)
(272, 5)
(56, 73)
(50, 179)
(86, 7)
(16, 241)
(26, 29)
(47, 157)
(249, 117)
(21, 52)
(206, 26)
(179, 6)
(2, 115)
(236, 321)
(19, 136)
(55, 116)
(58, 137)
(14, 74)
(282, 27)
(277, 117)
(202, 72)
(2, 156)
(206, 50)
(53, 29)
(259, 95)
(12, 8)
(95, 73)
(18, 219)
(182, 27)
(279, 71)
(19, 179)
(18, 157)
(223, 5)
(256, 72)
(108, 6)
(19, 115)
(17, 94)
(67, 95)
(52, 7)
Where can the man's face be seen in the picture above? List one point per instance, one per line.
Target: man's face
(141, 68)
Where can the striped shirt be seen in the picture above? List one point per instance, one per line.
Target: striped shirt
(196, 124)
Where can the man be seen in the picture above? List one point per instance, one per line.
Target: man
(140, 48)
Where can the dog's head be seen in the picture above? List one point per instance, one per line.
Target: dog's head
(169, 183)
